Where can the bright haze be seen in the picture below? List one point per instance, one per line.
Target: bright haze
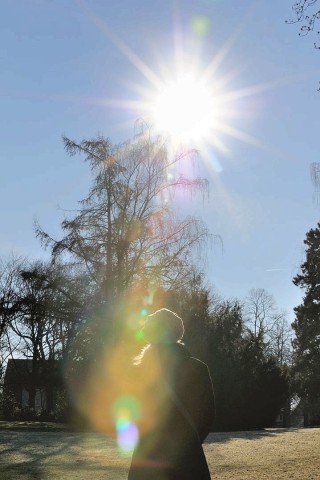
(229, 78)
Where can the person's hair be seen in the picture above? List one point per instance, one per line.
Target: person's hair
(161, 327)
(138, 359)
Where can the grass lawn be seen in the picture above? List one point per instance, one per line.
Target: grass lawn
(51, 452)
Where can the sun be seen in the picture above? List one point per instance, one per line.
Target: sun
(184, 108)
(185, 99)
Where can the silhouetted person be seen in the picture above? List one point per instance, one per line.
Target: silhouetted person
(176, 399)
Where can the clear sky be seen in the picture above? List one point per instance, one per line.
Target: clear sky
(74, 67)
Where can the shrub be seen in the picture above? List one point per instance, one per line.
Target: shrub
(10, 407)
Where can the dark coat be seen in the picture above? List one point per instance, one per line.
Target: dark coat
(170, 444)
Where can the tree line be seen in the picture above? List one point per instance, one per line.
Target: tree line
(124, 253)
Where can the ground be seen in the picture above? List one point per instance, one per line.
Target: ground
(60, 454)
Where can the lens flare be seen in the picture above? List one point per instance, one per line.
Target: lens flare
(139, 335)
(126, 406)
(127, 436)
(126, 411)
(200, 25)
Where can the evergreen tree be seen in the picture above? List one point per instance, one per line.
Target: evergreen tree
(307, 329)
(194, 302)
(225, 338)
(250, 387)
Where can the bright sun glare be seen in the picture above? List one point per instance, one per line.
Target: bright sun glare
(185, 101)
(184, 109)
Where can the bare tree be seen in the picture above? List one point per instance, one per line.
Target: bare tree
(279, 339)
(307, 12)
(10, 283)
(268, 324)
(44, 315)
(126, 232)
(315, 178)
(259, 311)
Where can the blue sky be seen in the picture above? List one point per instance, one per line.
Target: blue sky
(62, 70)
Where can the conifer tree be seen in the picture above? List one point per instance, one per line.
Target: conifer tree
(307, 328)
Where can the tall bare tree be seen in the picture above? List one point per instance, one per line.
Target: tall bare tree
(125, 232)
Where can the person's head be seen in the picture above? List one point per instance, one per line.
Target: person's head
(163, 326)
